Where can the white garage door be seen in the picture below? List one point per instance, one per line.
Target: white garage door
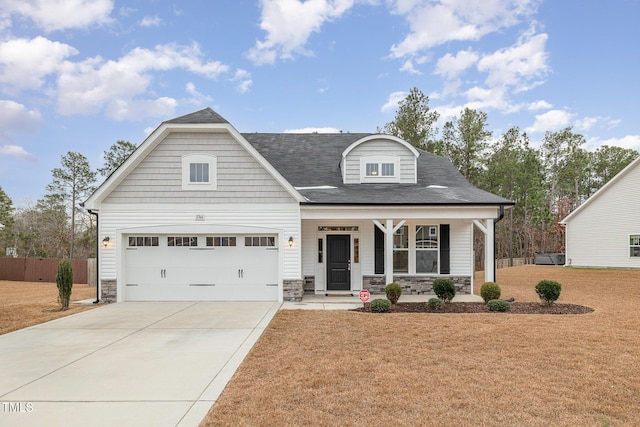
(201, 268)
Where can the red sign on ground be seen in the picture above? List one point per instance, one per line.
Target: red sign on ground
(364, 295)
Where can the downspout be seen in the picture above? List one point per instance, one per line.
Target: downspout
(495, 221)
(91, 212)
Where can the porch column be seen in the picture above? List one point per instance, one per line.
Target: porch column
(388, 246)
(489, 252)
(487, 227)
(388, 229)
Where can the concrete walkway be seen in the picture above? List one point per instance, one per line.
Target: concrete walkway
(127, 364)
(348, 302)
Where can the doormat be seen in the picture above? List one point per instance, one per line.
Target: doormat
(338, 295)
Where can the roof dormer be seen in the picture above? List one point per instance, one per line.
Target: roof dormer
(379, 159)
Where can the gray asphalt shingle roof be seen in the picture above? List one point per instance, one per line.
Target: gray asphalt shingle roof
(313, 160)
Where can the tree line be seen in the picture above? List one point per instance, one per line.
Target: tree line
(56, 226)
(546, 183)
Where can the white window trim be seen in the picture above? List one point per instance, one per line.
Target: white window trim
(364, 160)
(211, 160)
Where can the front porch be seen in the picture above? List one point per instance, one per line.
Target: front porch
(352, 300)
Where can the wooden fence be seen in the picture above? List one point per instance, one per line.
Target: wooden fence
(41, 269)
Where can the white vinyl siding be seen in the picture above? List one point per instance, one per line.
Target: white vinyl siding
(598, 235)
(380, 148)
(239, 178)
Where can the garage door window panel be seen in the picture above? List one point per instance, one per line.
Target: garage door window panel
(189, 241)
(221, 241)
(260, 241)
(138, 241)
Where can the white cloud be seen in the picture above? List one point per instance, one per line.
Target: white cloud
(539, 105)
(52, 15)
(14, 116)
(451, 66)
(588, 123)
(243, 79)
(437, 22)
(518, 65)
(137, 109)
(24, 63)
(197, 97)
(392, 101)
(151, 21)
(552, 120)
(313, 130)
(289, 24)
(629, 141)
(409, 68)
(89, 86)
(15, 151)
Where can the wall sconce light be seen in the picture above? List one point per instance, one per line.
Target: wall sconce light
(290, 241)
(105, 241)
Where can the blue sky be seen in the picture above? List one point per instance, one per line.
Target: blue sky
(78, 75)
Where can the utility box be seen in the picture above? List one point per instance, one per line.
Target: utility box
(549, 259)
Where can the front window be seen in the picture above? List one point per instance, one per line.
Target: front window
(199, 172)
(401, 250)
(634, 245)
(379, 169)
(426, 249)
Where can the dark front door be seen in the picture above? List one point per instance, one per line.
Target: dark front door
(339, 262)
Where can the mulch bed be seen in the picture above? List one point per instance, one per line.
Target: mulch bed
(476, 307)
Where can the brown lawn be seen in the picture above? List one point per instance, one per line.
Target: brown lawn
(345, 368)
(30, 303)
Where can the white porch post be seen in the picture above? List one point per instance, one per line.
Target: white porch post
(388, 229)
(388, 244)
(489, 252)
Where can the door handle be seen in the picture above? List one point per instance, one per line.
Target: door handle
(349, 265)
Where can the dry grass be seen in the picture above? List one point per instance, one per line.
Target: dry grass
(345, 368)
(30, 303)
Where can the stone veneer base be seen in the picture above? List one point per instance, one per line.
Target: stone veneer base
(415, 285)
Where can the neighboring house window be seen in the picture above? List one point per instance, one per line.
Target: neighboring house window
(634, 245)
(426, 249)
(182, 241)
(379, 169)
(401, 250)
(221, 241)
(199, 172)
(143, 241)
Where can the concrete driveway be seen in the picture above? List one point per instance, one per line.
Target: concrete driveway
(127, 364)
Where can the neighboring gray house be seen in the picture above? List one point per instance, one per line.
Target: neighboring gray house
(605, 230)
(202, 212)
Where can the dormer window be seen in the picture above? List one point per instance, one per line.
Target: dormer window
(199, 172)
(379, 169)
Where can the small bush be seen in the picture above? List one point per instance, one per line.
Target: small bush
(380, 305)
(444, 289)
(489, 291)
(434, 303)
(393, 291)
(548, 291)
(498, 305)
(64, 282)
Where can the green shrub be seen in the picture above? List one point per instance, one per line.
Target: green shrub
(64, 282)
(498, 305)
(380, 305)
(489, 291)
(548, 291)
(444, 289)
(393, 291)
(434, 303)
